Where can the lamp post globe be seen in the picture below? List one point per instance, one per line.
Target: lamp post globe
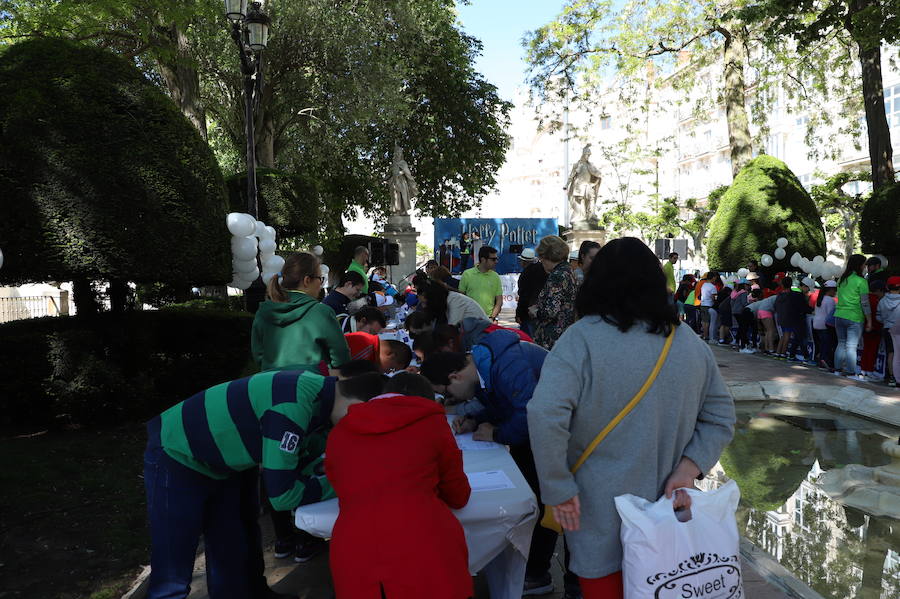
(257, 28)
(236, 10)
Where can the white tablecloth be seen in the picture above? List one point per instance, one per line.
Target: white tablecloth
(498, 524)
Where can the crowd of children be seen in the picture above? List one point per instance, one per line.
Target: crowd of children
(798, 319)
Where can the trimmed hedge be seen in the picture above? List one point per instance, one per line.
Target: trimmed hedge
(289, 203)
(102, 175)
(765, 202)
(113, 368)
(879, 224)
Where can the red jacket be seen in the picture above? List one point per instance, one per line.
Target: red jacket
(398, 473)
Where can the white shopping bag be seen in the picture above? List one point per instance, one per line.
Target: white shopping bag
(667, 559)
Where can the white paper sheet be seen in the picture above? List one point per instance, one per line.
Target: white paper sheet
(492, 480)
(467, 443)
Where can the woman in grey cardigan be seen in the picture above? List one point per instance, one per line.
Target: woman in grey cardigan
(672, 436)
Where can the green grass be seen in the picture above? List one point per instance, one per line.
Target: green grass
(72, 513)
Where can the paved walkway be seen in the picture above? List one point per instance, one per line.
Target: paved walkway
(746, 368)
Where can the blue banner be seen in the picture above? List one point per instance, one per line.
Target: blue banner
(502, 234)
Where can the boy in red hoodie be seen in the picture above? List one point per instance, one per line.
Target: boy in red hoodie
(398, 472)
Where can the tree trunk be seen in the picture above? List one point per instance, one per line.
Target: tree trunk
(119, 295)
(181, 77)
(881, 154)
(85, 298)
(735, 98)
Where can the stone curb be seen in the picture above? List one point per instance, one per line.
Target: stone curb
(854, 400)
(774, 573)
(138, 588)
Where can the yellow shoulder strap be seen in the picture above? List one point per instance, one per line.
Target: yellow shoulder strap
(631, 404)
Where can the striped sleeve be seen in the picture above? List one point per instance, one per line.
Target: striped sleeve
(291, 461)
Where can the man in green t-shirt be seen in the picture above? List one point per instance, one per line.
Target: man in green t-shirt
(482, 283)
(359, 264)
(669, 270)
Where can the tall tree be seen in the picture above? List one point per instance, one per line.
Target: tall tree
(840, 210)
(869, 24)
(593, 38)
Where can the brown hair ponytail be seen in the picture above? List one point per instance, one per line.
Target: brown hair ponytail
(295, 270)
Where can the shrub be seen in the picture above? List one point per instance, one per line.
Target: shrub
(116, 367)
(765, 202)
(879, 225)
(102, 176)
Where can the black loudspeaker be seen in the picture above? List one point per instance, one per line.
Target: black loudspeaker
(679, 246)
(661, 248)
(392, 257)
(516, 248)
(377, 252)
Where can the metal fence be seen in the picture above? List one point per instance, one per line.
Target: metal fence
(20, 308)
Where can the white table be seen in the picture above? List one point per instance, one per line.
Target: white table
(497, 523)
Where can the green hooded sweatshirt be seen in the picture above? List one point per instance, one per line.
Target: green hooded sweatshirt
(298, 332)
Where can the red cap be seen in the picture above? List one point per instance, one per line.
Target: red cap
(893, 282)
(779, 276)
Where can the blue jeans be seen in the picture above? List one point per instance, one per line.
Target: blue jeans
(849, 332)
(182, 505)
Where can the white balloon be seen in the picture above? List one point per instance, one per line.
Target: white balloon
(795, 259)
(249, 276)
(273, 264)
(266, 245)
(270, 233)
(324, 270)
(780, 253)
(317, 250)
(241, 284)
(818, 260)
(782, 242)
(243, 248)
(240, 224)
(268, 275)
(259, 229)
(815, 270)
(765, 260)
(243, 265)
(743, 272)
(1, 258)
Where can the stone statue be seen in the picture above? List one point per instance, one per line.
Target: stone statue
(583, 187)
(403, 186)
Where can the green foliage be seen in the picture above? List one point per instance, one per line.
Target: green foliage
(879, 225)
(290, 203)
(692, 217)
(765, 202)
(103, 177)
(115, 367)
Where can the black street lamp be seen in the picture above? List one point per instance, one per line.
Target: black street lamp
(250, 32)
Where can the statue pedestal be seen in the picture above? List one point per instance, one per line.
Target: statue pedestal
(576, 235)
(400, 231)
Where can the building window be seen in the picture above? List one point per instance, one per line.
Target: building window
(892, 105)
(802, 121)
(806, 181)
(605, 122)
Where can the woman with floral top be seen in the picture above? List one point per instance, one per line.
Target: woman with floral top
(554, 310)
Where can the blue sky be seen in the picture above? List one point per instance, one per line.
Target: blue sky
(500, 25)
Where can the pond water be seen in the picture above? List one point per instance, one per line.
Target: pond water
(777, 455)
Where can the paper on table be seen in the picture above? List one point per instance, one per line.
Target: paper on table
(465, 442)
(492, 480)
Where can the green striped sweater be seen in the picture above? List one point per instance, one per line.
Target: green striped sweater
(276, 420)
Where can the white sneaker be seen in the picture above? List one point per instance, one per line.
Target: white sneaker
(748, 350)
(858, 377)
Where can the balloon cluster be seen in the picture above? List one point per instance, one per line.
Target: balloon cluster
(817, 267)
(249, 238)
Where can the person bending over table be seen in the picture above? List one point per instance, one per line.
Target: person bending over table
(201, 467)
(501, 374)
(398, 472)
